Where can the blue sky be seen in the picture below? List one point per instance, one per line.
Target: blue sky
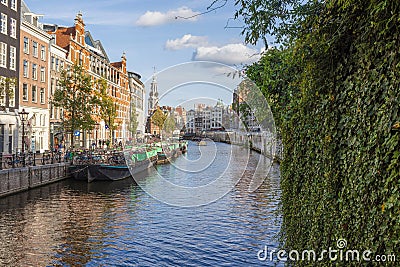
(150, 34)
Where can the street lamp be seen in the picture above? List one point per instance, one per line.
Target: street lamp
(24, 117)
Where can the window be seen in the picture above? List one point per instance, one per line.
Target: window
(57, 64)
(13, 52)
(4, 2)
(52, 87)
(2, 93)
(26, 45)
(35, 48)
(52, 62)
(34, 93)
(3, 23)
(34, 71)
(43, 52)
(26, 67)
(25, 92)
(3, 55)
(11, 101)
(42, 74)
(14, 5)
(13, 28)
(42, 95)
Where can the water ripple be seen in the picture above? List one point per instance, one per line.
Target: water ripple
(117, 224)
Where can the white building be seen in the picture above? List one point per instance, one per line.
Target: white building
(138, 94)
(207, 118)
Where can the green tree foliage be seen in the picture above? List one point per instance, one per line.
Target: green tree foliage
(334, 91)
(76, 96)
(283, 19)
(7, 85)
(106, 105)
(169, 124)
(158, 118)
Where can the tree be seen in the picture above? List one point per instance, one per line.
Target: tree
(7, 86)
(76, 96)
(282, 19)
(169, 124)
(106, 105)
(158, 118)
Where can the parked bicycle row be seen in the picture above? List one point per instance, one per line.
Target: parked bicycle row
(19, 160)
(77, 156)
(97, 157)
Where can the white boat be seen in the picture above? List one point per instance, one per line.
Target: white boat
(202, 143)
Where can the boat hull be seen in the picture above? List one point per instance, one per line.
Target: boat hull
(104, 172)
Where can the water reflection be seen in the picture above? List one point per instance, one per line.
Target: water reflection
(109, 224)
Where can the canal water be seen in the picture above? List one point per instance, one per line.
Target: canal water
(72, 223)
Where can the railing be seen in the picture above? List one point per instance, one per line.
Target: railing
(18, 160)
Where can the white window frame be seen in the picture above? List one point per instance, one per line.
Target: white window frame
(43, 52)
(42, 74)
(25, 69)
(13, 5)
(34, 71)
(26, 45)
(4, 2)
(25, 97)
(4, 23)
(13, 27)
(3, 55)
(35, 48)
(11, 100)
(34, 93)
(42, 97)
(13, 58)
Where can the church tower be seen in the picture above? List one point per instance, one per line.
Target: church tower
(153, 97)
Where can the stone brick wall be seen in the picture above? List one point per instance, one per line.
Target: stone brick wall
(21, 179)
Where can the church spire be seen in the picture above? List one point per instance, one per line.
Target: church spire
(153, 97)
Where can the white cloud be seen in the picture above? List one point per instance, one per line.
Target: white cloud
(186, 41)
(153, 18)
(231, 54)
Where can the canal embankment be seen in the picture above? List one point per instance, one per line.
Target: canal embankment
(21, 179)
(261, 142)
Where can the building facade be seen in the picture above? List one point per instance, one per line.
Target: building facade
(81, 48)
(34, 80)
(138, 94)
(209, 118)
(9, 75)
(58, 62)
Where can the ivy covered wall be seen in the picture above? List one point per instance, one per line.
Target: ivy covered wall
(335, 94)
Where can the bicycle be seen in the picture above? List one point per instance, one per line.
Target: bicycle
(15, 161)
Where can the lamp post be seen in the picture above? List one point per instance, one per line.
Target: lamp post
(24, 117)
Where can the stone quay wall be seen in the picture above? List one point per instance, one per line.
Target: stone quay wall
(262, 142)
(21, 179)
